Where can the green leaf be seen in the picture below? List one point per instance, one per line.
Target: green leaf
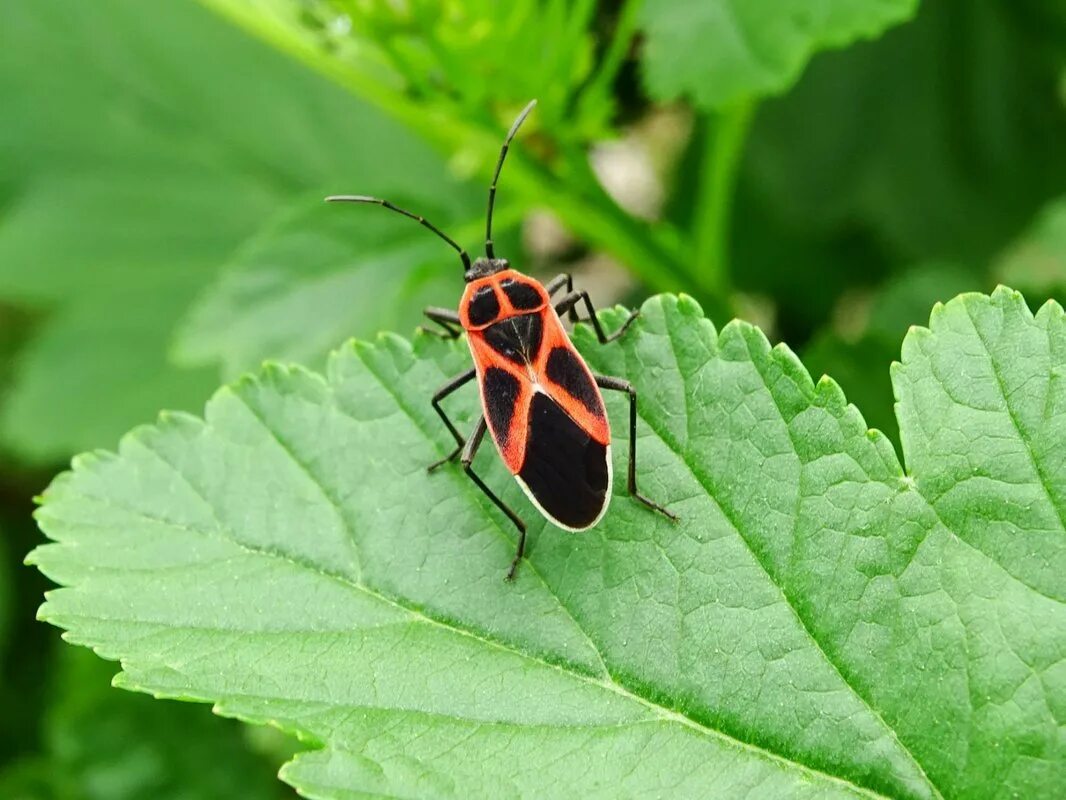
(821, 622)
(902, 302)
(168, 139)
(304, 284)
(103, 744)
(87, 373)
(91, 247)
(722, 52)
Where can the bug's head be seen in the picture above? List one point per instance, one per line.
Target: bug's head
(483, 267)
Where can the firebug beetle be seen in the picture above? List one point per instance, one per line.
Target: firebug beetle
(539, 400)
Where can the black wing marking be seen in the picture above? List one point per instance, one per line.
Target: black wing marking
(484, 307)
(565, 369)
(522, 296)
(565, 471)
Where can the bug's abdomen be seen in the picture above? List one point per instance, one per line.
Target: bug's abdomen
(565, 471)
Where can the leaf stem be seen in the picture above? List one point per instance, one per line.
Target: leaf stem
(723, 142)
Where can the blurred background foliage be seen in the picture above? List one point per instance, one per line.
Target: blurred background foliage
(827, 170)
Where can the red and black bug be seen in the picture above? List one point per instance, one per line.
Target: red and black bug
(539, 399)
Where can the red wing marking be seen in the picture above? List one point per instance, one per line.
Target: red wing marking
(506, 391)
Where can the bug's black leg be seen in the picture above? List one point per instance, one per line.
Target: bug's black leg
(444, 317)
(557, 283)
(455, 383)
(619, 385)
(573, 298)
(469, 451)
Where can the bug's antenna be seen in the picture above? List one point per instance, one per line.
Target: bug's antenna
(499, 165)
(359, 198)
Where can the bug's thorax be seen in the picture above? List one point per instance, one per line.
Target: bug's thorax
(508, 316)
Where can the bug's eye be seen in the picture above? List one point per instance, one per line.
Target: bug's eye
(523, 296)
(484, 307)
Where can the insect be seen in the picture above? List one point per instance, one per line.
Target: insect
(539, 399)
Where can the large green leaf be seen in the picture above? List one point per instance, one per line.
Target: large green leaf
(152, 140)
(821, 622)
(720, 52)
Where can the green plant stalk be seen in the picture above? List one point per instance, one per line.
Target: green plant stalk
(723, 142)
(615, 54)
(655, 255)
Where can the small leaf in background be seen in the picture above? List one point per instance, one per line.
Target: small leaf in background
(86, 372)
(821, 623)
(104, 744)
(907, 300)
(721, 52)
(308, 281)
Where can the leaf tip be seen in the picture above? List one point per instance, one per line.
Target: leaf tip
(829, 394)
(44, 611)
(31, 558)
(689, 305)
(1003, 292)
(1051, 308)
